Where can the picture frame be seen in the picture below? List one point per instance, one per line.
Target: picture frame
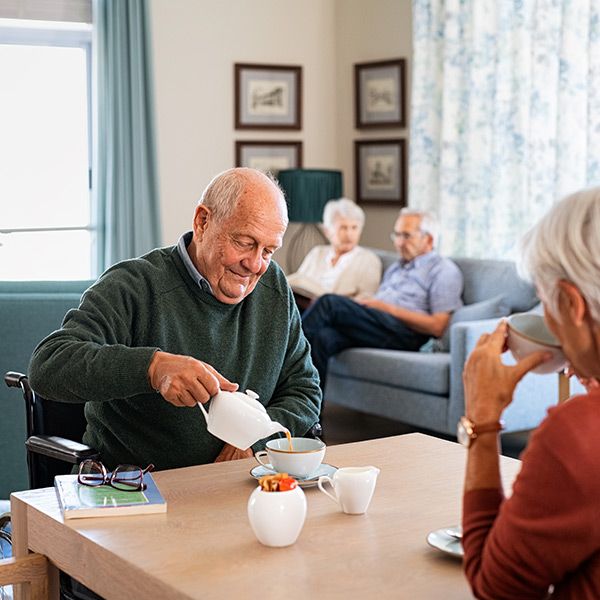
(268, 96)
(380, 168)
(269, 156)
(380, 93)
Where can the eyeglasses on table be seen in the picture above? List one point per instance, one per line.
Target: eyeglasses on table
(127, 478)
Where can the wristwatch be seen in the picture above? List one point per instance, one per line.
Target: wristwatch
(467, 431)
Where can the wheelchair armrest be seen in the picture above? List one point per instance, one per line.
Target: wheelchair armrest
(60, 448)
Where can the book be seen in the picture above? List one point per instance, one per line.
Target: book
(305, 287)
(78, 501)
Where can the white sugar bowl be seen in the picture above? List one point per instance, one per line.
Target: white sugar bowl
(277, 518)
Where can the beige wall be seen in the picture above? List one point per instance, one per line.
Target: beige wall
(196, 43)
(368, 31)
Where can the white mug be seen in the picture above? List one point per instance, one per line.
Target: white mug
(353, 488)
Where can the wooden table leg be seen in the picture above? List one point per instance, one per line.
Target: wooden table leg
(18, 512)
(564, 390)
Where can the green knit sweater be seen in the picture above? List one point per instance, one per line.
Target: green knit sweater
(102, 353)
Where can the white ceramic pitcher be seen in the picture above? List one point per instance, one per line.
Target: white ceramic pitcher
(239, 419)
(353, 488)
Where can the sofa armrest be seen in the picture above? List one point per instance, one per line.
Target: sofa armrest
(534, 393)
(463, 337)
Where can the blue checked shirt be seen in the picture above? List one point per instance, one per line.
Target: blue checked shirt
(427, 284)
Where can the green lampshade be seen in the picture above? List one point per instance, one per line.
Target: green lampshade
(308, 190)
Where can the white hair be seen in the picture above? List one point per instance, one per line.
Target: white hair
(565, 245)
(225, 189)
(429, 223)
(342, 208)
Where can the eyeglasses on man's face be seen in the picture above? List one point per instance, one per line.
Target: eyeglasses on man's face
(127, 478)
(404, 235)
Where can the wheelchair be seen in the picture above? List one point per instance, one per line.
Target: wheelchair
(54, 434)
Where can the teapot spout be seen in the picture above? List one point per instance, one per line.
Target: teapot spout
(276, 427)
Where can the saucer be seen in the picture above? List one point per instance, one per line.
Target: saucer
(443, 540)
(324, 469)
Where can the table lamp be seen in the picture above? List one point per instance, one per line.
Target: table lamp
(306, 193)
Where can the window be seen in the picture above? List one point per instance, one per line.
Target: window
(46, 229)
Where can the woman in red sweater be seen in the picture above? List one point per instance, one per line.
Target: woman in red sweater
(544, 541)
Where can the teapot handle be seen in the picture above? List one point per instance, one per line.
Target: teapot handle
(204, 411)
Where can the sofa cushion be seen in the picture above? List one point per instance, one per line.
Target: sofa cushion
(409, 370)
(494, 308)
(486, 278)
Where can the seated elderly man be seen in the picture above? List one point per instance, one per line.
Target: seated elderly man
(546, 536)
(158, 334)
(413, 303)
(343, 267)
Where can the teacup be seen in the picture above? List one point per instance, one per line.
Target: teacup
(528, 333)
(303, 461)
(353, 488)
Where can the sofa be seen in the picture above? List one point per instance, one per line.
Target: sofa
(424, 389)
(29, 311)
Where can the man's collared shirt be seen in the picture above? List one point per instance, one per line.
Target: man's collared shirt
(427, 284)
(184, 242)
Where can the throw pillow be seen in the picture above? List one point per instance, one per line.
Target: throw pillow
(492, 308)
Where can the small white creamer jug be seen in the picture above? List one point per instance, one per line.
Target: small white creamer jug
(239, 419)
(353, 488)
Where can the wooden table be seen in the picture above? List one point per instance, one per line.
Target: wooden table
(203, 547)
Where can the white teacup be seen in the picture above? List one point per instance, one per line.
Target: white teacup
(528, 333)
(305, 459)
(353, 488)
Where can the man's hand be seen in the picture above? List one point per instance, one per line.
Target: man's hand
(230, 452)
(489, 384)
(372, 302)
(185, 381)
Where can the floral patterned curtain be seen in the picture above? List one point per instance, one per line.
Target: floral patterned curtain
(505, 115)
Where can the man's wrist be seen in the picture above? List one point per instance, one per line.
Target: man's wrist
(152, 369)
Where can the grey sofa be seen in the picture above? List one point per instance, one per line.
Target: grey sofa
(424, 389)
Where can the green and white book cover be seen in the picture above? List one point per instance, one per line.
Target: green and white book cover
(77, 501)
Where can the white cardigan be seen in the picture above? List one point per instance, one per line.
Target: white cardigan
(361, 274)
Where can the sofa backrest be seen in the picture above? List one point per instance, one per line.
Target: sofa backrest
(485, 278)
(29, 311)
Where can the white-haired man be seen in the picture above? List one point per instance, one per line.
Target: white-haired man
(413, 303)
(186, 321)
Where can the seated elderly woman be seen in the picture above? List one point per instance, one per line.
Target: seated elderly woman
(543, 541)
(343, 267)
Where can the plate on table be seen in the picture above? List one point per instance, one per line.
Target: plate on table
(447, 539)
(324, 469)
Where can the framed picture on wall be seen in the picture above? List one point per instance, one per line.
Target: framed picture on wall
(380, 93)
(380, 167)
(268, 96)
(269, 156)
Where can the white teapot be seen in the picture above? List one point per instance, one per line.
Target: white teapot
(239, 419)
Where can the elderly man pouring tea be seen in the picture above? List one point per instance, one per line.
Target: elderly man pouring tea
(543, 541)
(158, 334)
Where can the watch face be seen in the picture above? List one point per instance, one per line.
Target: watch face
(462, 434)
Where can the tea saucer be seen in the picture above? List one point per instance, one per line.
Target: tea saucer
(447, 539)
(324, 469)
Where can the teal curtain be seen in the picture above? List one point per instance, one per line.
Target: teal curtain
(125, 175)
